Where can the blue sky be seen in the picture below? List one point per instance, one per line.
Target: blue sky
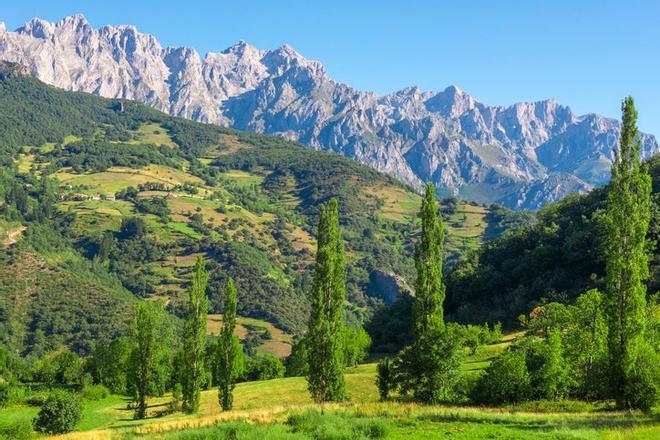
(586, 54)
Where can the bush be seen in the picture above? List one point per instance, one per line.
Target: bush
(95, 392)
(643, 386)
(430, 368)
(506, 380)
(11, 393)
(5, 394)
(465, 386)
(264, 367)
(384, 378)
(59, 414)
(551, 379)
(38, 398)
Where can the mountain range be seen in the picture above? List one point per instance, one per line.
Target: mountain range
(521, 156)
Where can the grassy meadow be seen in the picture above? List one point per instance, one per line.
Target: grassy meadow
(282, 409)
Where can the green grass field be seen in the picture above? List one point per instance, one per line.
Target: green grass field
(153, 134)
(282, 409)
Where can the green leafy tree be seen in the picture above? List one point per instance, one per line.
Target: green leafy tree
(552, 380)
(627, 222)
(585, 342)
(356, 344)
(109, 364)
(474, 336)
(428, 313)
(264, 367)
(229, 350)
(148, 368)
(194, 339)
(325, 375)
(430, 366)
(69, 369)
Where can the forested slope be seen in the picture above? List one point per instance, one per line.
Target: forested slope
(132, 196)
(555, 259)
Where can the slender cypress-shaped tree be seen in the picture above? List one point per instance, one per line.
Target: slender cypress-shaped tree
(428, 312)
(627, 222)
(228, 350)
(194, 339)
(429, 367)
(325, 375)
(147, 369)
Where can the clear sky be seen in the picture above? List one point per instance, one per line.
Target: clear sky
(585, 53)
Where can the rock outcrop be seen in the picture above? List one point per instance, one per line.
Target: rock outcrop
(523, 155)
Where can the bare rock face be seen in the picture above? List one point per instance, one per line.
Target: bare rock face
(388, 286)
(12, 70)
(522, 156)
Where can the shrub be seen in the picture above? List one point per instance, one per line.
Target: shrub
(465, 386)
(59, 414)
(643, 388)
(69, 369)
(5, 394)
(474, 336)
(36, 399)
(384, 379)
(506, 380)
(554, 406)
(95, 392)
(430, 368)
(263, 368)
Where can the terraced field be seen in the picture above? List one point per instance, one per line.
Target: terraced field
(278, 343)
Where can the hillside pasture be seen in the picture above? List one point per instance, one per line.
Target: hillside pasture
(278, 345)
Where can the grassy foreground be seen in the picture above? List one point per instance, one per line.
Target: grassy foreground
(282, 409)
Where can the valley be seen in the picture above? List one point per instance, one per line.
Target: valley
(164, 278)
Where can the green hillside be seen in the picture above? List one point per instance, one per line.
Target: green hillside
(554, 259)
(141, 195)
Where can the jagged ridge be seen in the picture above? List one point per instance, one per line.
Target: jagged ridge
(522, 156)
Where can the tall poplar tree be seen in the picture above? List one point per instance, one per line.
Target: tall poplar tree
(627, 222)
(229, 350)
(194, 339)
(428, 312)
(148, 368)
(325, 377)
(429, 367)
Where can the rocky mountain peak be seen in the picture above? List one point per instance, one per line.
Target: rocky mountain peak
(75, 23)
(522, 155)
(243, 49)
(451, 102)
(37, 28)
